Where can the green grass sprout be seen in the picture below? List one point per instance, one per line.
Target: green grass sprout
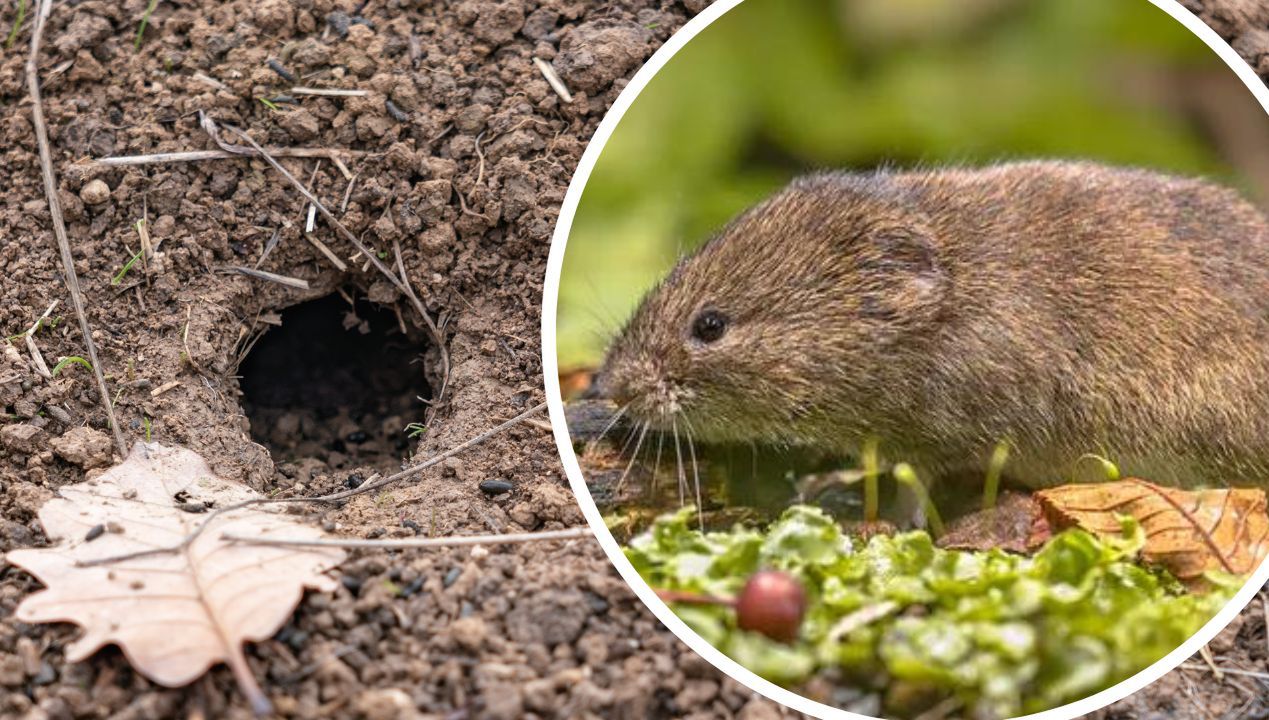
(73, 359)
(415, 429)
(1110, 471)
(118, 278)
(991, 488)
(145, 20)
(869, 457)
(269, 104)
(905, 474)
(17, 25)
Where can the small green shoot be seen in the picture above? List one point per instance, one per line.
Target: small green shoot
(414, 430)
(146, 421)
(393, 589)
(1110, 471)
(869, 457)
(17, 25)
(145, 20)
(61, 364)
(991, 488)
(904, 473)
(383, 254)
(269, 104)
(118, 278)
(384, 499)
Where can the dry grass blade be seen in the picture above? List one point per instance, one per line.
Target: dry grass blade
(214, 596)
(59, 225)
(297, 283)
(553, 79)
(329, 92)
(416, 543)
(201, 155)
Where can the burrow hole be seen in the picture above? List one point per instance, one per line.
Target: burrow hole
(336, 385)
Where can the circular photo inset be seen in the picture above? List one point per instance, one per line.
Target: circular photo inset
(911, 358)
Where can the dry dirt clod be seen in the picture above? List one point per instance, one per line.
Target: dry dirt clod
(83, 446)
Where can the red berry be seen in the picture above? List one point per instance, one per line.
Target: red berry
(772, 603)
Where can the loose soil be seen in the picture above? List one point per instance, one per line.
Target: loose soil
(298, 391)
(1243, 23)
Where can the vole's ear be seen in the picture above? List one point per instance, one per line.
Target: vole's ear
(905, 275)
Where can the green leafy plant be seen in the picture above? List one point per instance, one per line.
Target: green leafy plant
(118, 278)
(999, 633)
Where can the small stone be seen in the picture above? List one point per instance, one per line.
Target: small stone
(95, 192)
(83, 446)
(385, 704)
(496, 487)
(470, 632)
(12, 673)
(300, 124)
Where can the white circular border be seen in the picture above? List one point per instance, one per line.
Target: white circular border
(663, 613)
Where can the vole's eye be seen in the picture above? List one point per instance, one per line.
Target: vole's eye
(709, 326)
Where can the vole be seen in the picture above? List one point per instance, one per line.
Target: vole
(1064, 308)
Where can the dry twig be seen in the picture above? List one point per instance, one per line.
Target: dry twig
(553, 79)
(297, 283)
(332, 497)
(59, 225)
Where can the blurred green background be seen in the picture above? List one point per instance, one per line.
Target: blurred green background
(778, 87)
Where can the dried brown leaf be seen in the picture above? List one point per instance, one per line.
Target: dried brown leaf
(1189, 532)
(175, 614)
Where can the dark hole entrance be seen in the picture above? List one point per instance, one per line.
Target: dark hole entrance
(336, 385)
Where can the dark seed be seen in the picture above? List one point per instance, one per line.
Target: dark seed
(282, 72)
(282, 99)
(496, 487)
(397, 113)
(359, 20)
(352, 583)
(413, 587)
(417, 528)
(95, 532)
(451, 577)
(354, 481)
(356, 436)
(193, 506)
(376, 533)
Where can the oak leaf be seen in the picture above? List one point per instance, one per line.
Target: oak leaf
(173, 614)
(1189, 532)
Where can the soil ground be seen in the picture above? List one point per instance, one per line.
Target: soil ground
(470, 152)
(1242, 23)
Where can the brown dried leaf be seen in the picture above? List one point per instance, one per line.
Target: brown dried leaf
(176, 614)
(1189, 532)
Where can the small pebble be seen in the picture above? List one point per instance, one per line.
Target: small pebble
(193, 506)
(417, 528)
(339, 22)
(354, 481)
(376, 533)
(95, 532)
(95, 192)
(496, 487)
(352, 583)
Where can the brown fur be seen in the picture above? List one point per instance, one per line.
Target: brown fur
(1064, 307)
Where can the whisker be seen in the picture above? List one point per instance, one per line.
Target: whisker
(678, 454)
(638, 446)
(696, 473)
(656, 465)
(590, 446)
